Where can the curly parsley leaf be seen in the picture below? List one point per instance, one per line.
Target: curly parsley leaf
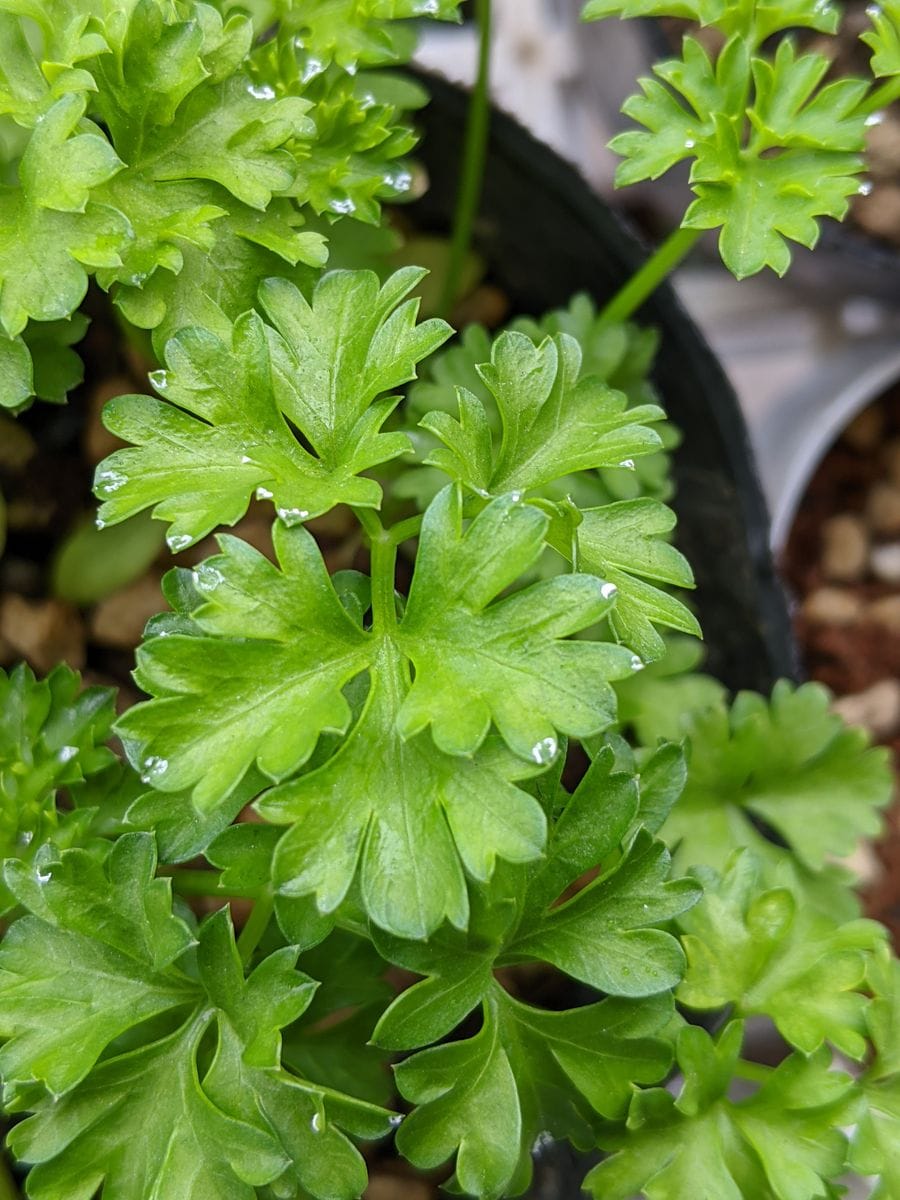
(477, 661)
(883, 39)
(554, 421)
(226, 430)
(517, 917)
(94, 957)
(754, 944)
(774, 147)
(403, 815)
(114, 927)
(251, 683)
(782, 1143)
(621, 356)
(51, 738)
(351, 32)
(624, 545)
(53, 232)
(526, 1073)
(791, 763)
(876, 1144)
(757, 21)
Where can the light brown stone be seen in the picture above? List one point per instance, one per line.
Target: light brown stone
(885, 562)
(883, 509)
(383, 1186)
(119, 619)
(845, 548)
(877, 709)
(886, 612)
(832, 606)
(44, 632)
(865, 430)
(879, 214)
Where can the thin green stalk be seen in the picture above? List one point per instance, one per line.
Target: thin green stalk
(474, 153)
(655, 270)
(204, 883)
(256, 926)
(754, 1072)
(404, 530)
(383, 569)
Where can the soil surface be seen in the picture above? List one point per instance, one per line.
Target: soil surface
(842, 563)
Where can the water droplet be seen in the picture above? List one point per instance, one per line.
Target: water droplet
(541, 1142)
(292, 516)
(313, 67)
(515, 497)
(261, 91)
(637, 663)
(25, 838)
(66, 753)
(245, 458)
(396, 1120)
(316, 1124)
(875, 118)
(207, 578)
(154, 768)
(263, 493)
(178, 541)
(109, 481)
(43, 876)
(159, 379)
(865, 188)
(544, 751)
(627, 464)
(689, 143)
(873, 11)
(343, 207)
(400, 181)
(608, 590)
(99, 523)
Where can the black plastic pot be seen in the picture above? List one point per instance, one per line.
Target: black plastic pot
(546, 235)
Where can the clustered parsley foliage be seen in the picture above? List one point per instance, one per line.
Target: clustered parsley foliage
(773, 143)
(492, 763)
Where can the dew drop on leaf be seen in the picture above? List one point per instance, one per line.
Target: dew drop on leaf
(153, 768)
(178, 541)
(637, 663)
(544, 751)
(608, 590)
(627, 464)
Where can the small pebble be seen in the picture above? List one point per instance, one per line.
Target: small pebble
(865, 430)
(883, 509)
(396, 1187)
(879, 214)
(119, 619)
(877, 709)
(886, 612)
(885, 562)
(845, 548)
(832, 606)
(44, 632)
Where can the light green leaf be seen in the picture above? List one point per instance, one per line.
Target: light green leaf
(555, 422)
(783, 1143)
(226, 432)
(754, 944)
(788, 761)
(476, 662)
(258, 683)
